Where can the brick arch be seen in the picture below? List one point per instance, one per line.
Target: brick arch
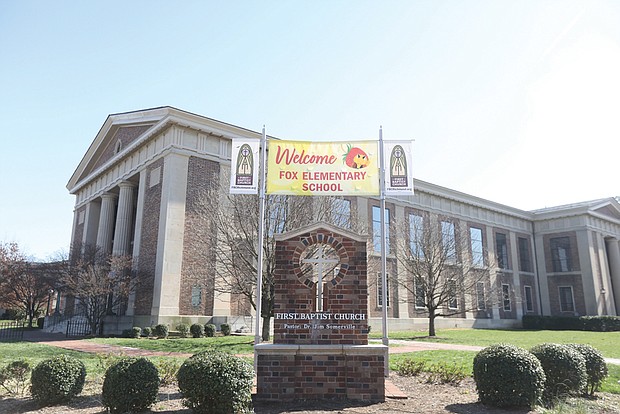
(323, 239)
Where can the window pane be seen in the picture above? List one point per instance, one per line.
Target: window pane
(525, 262)
(506, 297)
(480, 296)
(502, 250)
(529, 303)
(561, 254)
(376, 229)
(342, 212)
(420, 294)
(477, 256)
(452, 301)
(416, 231)
(448, 239)
(566, 299)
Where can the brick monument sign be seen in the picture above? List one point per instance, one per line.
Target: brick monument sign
(320, 346)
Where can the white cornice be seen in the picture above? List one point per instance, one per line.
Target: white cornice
(321, 225)
(164, 117)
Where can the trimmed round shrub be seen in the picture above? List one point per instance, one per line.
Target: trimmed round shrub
(214, 382)
(197, 330)
(225, 328)
(565, 370)
(147, 331)
(136, 332)
(183, 330)
(57, 380)
(161, 331)
(508, 376)
(596, 367)
(130, 385)
(210, 330)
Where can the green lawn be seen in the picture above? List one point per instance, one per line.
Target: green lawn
(605, 342)
(233, 344)
(465, 359)
(35, 353)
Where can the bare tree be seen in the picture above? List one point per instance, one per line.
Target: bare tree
(24, 285)
(234, 222)
(100, 283)
(444, 273)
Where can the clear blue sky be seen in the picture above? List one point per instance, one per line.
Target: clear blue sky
(515, 101)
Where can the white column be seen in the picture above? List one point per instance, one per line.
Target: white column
(91, 224)
(106, 222)
(516, 276)
(613, 252)
(124, 219)
(167, 284)
(131, 301)
(493, 276)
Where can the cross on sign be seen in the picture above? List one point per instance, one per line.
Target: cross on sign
(318, 258)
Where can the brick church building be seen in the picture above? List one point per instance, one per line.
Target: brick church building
(136, 188)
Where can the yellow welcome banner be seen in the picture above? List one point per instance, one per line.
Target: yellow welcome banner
(323, 168)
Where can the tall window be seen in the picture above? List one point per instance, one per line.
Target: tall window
(341, 213)
(453, 302)
(480, 299)
(506, 297)
(420, 293)
(561, 254)
(380, 290)
(477, 253)
(529, 302)
(277, 214)
(448, 239)
(525, 262)
(567, 302)
(376, 229)
(416, 235)
(501, 247)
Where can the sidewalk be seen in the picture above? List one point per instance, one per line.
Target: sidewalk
(60, 341)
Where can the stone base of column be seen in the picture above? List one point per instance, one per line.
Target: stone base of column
(318, 372)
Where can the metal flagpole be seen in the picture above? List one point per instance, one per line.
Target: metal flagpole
(261, 226)
(384, 286)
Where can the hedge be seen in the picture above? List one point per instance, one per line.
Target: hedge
(572, 323)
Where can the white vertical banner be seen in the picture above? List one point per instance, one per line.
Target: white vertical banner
(244, 166)
(398, 162)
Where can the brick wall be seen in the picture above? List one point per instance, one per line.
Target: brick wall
(126, 135)
(291, 373)
(198, 251)
(574, 280)
(148, 241)
(346, 293)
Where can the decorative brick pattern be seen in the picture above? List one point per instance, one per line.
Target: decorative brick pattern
(346, 293)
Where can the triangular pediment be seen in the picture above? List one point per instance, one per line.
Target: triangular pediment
(320, 226)
(610, 208)
(116, 135)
